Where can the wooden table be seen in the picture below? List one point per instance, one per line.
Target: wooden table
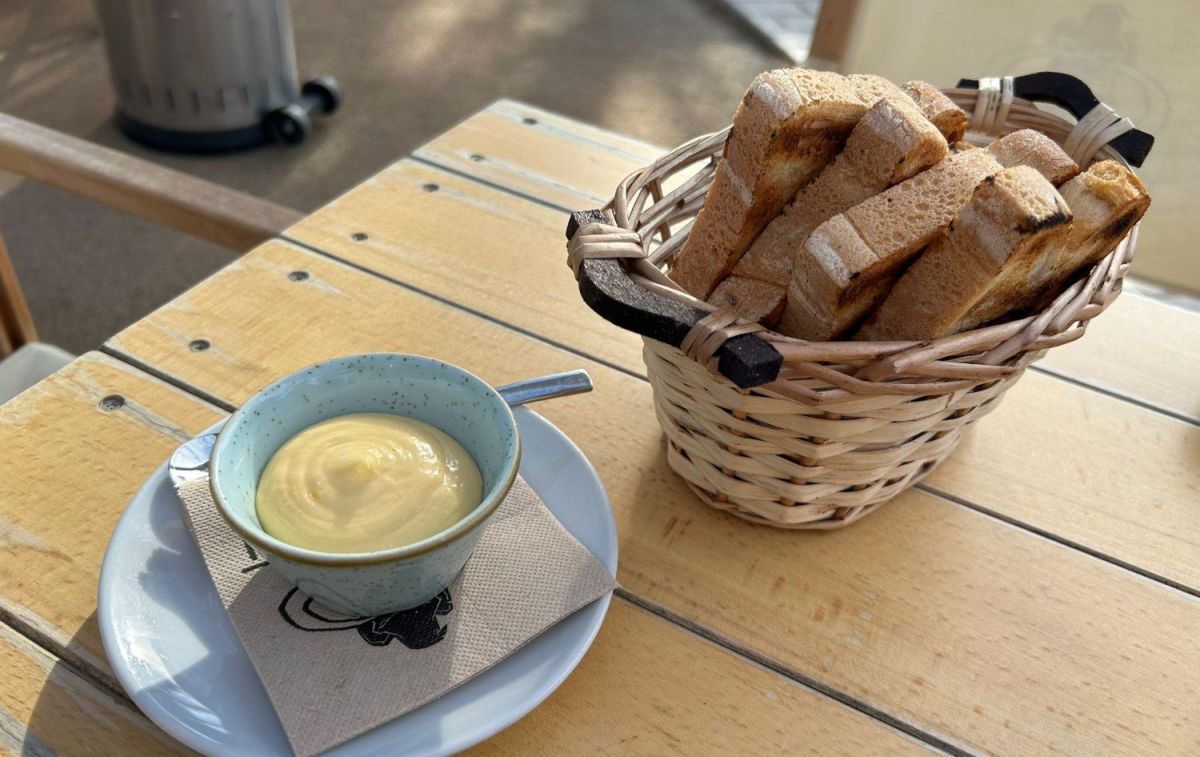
(1039, 593)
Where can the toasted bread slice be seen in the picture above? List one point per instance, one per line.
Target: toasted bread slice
(752, 300)
(849, 262)
(1106, 200)
(896, 138)
(790, 124)
(893, 142)
(973, 273)
(870, 87)
(949, 119)
(839, 269)
(802, 319)
(1033, 148)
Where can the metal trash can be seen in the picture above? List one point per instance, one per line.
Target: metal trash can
(209, 75)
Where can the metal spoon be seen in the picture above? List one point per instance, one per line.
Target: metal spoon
(190, 460)
(546, 387)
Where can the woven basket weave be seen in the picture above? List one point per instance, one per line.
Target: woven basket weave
(846, 425)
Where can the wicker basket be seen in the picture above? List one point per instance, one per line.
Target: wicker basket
(844, 426)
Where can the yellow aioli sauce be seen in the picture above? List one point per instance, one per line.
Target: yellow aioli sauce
(365, 482)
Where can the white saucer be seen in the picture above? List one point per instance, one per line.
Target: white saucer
(175, 652)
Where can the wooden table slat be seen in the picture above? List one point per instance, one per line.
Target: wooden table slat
(46, 708)
(526, 157)
(508, 264)
(648, 687)
(67, 471)
(1142, 349)
(509, 261)
(977, 632)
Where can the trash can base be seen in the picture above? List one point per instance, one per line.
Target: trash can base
(202, 142)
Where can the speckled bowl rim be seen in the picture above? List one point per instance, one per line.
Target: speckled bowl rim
(271, 545)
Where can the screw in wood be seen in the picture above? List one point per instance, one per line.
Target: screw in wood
(199, 345)
(112, 402)
(358, 236)
(529, 121)
(476, 157)
(431, 187)
(298, 275)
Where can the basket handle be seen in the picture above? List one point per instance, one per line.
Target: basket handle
(1073, 95)
(606, 287)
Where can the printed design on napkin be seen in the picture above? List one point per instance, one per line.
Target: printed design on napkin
(415, 628)
(255, 561)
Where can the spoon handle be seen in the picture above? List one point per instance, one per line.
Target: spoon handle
(190, 460)
(546, 387)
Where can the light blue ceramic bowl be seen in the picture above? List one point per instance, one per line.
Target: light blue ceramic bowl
(443, 395)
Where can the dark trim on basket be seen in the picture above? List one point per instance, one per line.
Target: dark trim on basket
(1075, 96)
(605, 286)
(795, 676)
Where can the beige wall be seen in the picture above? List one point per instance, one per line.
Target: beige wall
(1142, 58)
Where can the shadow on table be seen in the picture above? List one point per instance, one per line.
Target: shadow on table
(169, 599)
(75, 714)
(694, 534)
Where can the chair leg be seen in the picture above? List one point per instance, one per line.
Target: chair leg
(16, 322)
(831, 37)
